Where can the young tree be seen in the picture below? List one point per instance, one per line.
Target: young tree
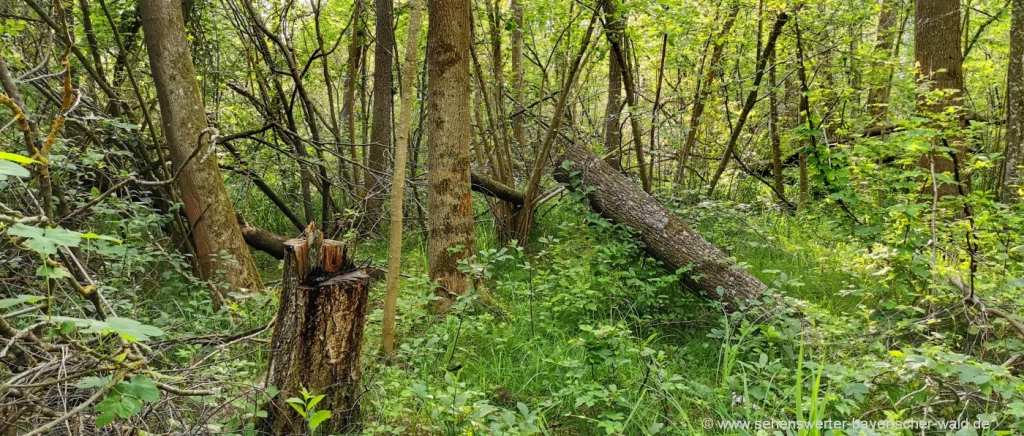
(773, 130)
(218, 240)
(348, 107)
(1015, 107)
(748, 104)
(449, 205)
(709, 71)
(402, 145)
(380, 133)
(616, 35)
(518, 125)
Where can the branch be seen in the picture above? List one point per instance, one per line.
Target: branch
(493, 188)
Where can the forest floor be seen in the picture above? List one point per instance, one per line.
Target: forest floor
(596, 338)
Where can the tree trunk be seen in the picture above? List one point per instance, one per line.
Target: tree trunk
(616, 35)
(773, 130)
(450, 207)
(402, 145)
(612, 130)
(206, 203)
(518, 127)
(380, 132)
(940, 67)
(1015, 108)
(878, 96)
(665, 236)
(318, 335)
(348, 106)
(657, 106)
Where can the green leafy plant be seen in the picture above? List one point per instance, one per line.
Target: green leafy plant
(306, 408)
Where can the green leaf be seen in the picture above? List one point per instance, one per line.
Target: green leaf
(132, 330)
(45, 241)
(129, 329)
(12, 169)
(52, 272)
(299, 407)
(318, 418)
(16, 158)
(92, 382)
(104, 419)
(143, 388)
(116, 405)
(973, 374)
(313, 402)
(20, 299)
(91, 235)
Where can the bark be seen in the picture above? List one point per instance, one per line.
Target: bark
(30, 132)
(206, 203)
(748, 105)
(450, 207)
(1015, 108)
(398, 180)
(90, 35)
(502, 151)
(318, 334)
(703, 93)
(291, 135)
(665, 236)
(803, 118)
(940, 67)
(657, 103)
(380, 132)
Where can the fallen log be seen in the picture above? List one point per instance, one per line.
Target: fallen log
(666, 237)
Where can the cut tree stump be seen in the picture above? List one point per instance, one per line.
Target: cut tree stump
(318, 336)
(666, 237)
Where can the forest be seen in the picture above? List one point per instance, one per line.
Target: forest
(556, 217)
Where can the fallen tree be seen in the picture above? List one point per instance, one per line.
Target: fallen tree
(617, 198)
(666, 237)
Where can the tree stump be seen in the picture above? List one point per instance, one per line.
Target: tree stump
(318, 335)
